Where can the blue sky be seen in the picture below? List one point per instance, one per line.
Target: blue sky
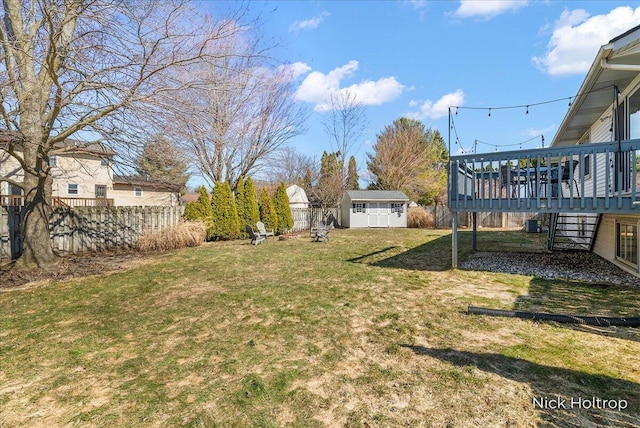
(416, 58)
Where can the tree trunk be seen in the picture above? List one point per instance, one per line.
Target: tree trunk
(37, 249)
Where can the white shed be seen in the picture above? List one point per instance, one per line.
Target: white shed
(297, 197)
(374, 208)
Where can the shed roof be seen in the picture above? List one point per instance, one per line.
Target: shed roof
(377, 195)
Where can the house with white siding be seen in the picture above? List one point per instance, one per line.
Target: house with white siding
(587, 181)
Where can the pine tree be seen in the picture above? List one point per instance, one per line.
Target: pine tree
(201, 210)
(352, 175)
(241, 205)
(225, 214)
(283, 210)
(267, 212)
(252, 201)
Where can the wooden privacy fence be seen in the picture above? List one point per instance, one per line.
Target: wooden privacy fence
(86, 229)
(442, 217)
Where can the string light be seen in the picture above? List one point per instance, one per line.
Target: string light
(526, 106)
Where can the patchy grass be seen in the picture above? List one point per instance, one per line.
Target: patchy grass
(367, 330)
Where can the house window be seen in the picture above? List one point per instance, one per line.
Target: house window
(137, 191)
(627, 242)
(397, 208)
(586, 161)
(358, 208)
(104, 161)
(101, 191)
(72, 189)
(53, 160)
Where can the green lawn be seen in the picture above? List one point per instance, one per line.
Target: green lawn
(368, 330)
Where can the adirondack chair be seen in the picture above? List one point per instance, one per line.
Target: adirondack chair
(256, 238)
(263, 231)
(323, 232)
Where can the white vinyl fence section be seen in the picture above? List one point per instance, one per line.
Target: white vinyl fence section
(88, 229)
(306, 218)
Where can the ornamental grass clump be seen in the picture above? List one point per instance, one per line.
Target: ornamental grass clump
(419, 218)
(184, 234)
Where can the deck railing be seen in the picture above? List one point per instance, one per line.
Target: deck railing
(82, 202)
(597, 178)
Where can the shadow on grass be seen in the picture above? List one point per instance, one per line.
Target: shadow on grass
(435, 255)
(550, 383)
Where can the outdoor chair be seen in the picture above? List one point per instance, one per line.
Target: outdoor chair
(256, 238)
(323, 232)
(263, 231)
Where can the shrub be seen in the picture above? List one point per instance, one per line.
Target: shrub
(267, 213)
(201, 210)
(247, 204)
(184, 234)
(417, 217)
(283, 210)
(225, 214)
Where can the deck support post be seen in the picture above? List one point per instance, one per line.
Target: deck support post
(474, 238)
(454, 240)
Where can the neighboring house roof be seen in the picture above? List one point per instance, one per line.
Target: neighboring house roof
(617, 63)
(190, 197)
(377, 195)
(67, 146)
(136, 180)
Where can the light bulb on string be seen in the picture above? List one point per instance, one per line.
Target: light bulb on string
(570, 98)
(527, 112)
(489, 112)
(456, 111)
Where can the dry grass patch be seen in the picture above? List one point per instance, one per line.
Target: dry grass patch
(368, 330)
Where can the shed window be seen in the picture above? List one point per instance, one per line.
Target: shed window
(137, 191)
(397, 207)
(358, 208)
(53, 160)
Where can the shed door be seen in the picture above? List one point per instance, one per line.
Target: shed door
(378, 214)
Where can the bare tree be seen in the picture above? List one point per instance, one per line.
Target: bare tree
(289, 166)
(78, 68)
(345, 122)
(241, 116)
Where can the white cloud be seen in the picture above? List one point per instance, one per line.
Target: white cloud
(577, 37)
(533, 132)
(318, 88)
(487, 8)
(431, 110)
(296, 69)
(309, 24)
(417, 4)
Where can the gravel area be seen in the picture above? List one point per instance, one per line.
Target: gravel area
(580, 266)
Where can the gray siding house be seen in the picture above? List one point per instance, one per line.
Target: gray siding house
(587, 181)
(374, 208)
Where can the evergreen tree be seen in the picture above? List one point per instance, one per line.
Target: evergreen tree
(283, 210)
(252, 201)
(225, 214)
(352, 175)
(267, 212)
(162, 160)
(247, 203)
(201, 210)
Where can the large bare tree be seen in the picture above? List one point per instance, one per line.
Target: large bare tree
(243, 114)
(77, 68)
(344, 123)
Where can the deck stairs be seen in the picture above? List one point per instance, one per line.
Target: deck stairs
(572, 231)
